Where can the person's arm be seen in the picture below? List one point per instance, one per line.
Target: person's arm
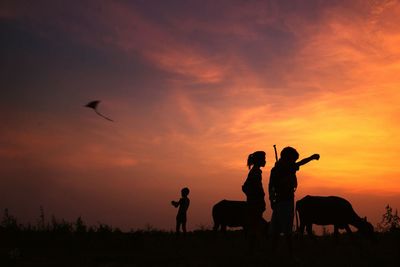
(175, 204)
(307, 160)
(271, 189)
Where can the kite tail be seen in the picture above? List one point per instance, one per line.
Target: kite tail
(98, 113)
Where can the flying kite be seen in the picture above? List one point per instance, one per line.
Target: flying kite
(93, 105)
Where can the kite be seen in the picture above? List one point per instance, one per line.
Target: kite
(93, 105)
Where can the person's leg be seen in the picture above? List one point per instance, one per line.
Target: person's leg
(252, 226)
(289, 242)
(274, 229)
(275, 240)
(178, 226)
(287, 208)
(184, 226)
(290, 227)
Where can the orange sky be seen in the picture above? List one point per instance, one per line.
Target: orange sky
(194, 88)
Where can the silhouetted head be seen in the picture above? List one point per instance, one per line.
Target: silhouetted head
(366, 228)
(185, 192)
(256, 159)
(289, 154)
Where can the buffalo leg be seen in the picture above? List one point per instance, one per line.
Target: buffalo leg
(216, 226)
(335, 230)
(348, 230)
(309, 229)
(301, 228)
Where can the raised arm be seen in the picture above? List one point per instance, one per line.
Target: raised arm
(307, 160)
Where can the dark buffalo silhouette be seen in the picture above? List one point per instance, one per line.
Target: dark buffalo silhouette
(231, 213)
(330, 210)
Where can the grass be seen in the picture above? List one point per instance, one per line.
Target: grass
(61, 243)
(198, 248)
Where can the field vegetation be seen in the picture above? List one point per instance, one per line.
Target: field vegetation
(62, 243)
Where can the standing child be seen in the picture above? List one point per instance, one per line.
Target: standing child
(254, 191)
(253, 187)
(183, 205)
(282, 185)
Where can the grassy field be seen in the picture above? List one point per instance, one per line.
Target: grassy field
(106, 247)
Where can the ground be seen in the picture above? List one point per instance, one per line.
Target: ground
(198, 248)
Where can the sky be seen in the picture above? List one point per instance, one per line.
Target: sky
(194, 87)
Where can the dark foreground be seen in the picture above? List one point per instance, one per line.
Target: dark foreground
(199, 248)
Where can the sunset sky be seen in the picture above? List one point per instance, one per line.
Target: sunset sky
(194, 87)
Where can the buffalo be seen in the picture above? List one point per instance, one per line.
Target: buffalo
(330, 210)
(230, 213)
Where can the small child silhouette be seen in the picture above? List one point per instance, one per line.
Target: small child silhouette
(183, 205)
